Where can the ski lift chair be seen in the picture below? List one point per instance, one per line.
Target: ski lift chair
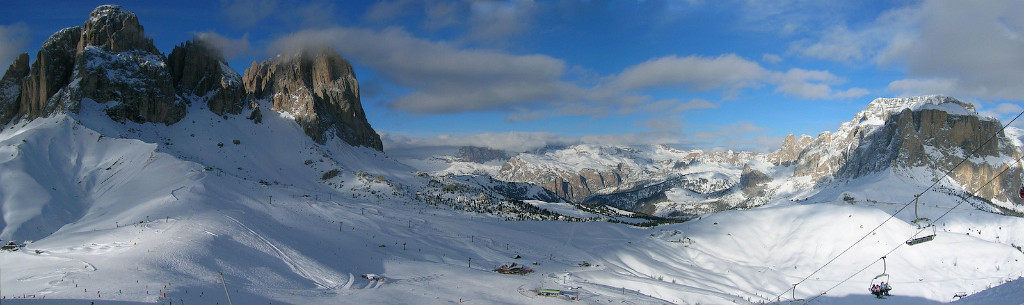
(923, 223)
(879, 279)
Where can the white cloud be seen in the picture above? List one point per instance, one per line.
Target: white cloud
(730, 131)
(771, 58)
(486, 21)
(445, 78)
(228, 47)
(698, 73)
(673, 106)
(246, 13)
(1008, 108)
(495, 20)
(812, 84)
(911, 86)
(15, 38)
(662, 123)
(956, 47)
(838, 44)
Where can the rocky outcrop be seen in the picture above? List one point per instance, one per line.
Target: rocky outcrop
(790, 150)
(10, 88)
(114, 29)
(200, 71)
(107, 59)
(116, 62)
(934, 132)
(752, 182)
(318, 88)
(574, 186)
(52, 71)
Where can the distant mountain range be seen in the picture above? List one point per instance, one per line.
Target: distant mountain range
(933, 133)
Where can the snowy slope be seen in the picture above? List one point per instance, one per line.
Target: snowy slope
(174, 210)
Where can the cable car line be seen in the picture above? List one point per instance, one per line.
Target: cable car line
(873, 230)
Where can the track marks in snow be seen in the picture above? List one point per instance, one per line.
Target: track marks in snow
(298, 265)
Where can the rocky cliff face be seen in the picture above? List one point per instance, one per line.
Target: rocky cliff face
(200, 71)
(52, 71)
(790, 150)
(10, 88)
(318, 88)
(116, 30)
(116, 62)
(935, 132)
(107, 59)
(110, 60)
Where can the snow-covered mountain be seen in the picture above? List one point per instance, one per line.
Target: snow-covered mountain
(891, 134)
(120, 193)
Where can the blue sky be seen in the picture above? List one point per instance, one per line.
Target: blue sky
(518, 75)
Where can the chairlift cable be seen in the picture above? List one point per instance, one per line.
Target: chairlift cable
(893, 215)
(918, 232)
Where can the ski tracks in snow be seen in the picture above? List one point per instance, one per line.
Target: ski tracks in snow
(300, 266)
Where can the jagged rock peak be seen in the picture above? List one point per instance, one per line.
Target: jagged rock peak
(51, 71)
(199, 69)
(19, 68)
(318, 88)
(790, 150)
(10, 88)
(114, 29)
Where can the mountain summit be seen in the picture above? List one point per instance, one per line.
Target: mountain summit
(318, 88)
(109, 60)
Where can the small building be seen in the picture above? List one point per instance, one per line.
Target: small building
(10, 246)
(549, 292)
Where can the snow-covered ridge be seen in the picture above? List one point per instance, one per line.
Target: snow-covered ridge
(881, 108)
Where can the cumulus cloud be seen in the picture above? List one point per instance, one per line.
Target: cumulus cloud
(961, 48)
(771, 58)
(673, 106)
(446, 78)
(15, 38)
(913, 86)
(813, 84)
(694, 72)
(228, 47)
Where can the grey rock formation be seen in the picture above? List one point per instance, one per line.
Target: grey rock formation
(107, 59)
(138, 80)
(199, 70)
(10, 88)
(52, 71)
(934, 132)
(318, 88)
(752, 182)
(790, 150)
(114, 29)
(116, 62)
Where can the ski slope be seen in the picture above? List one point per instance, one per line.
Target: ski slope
(153, 214)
